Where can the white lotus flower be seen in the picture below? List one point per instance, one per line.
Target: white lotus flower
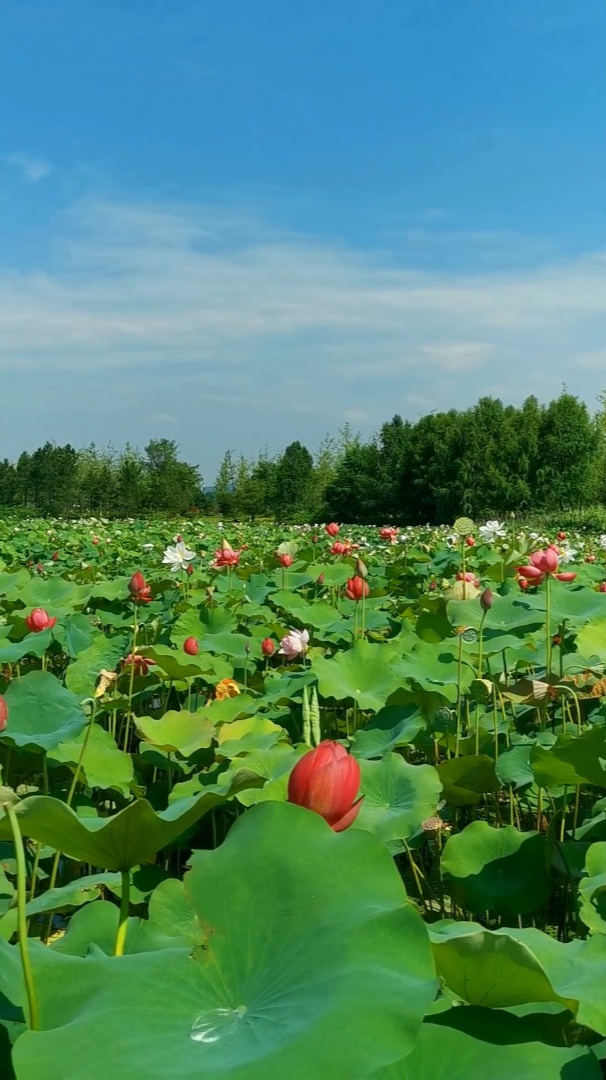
(567, 554)
(492, 530)
(602, 541)
(178, 557)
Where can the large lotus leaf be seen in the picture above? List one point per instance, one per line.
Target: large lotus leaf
(171, 911)
(501, 870)
(94, 927)
(592, 889)
(13, 583)
(76, 633)
(335, 574)
(56, 595)
(31, 645)
(510, 967)
(311, 963)
(110, 588)
(572, 760)
(103, 764)
(248, 734)
(434, 666)
(509, 614)
(78, 892)
(178, 665)
(42, 712)
(365, 673)
(192, 624)
(233, 645)
(185, 732)
(397, 797)
(448, 1054)
(591, 639)
(513, 767)
(223, 712)
(395, 725)
(130, 837)
(466, 779)
(104, 653)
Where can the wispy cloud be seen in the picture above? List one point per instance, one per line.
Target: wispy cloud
(213, 308)
(31, 168)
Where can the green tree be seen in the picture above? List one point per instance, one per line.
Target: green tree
(292, 487)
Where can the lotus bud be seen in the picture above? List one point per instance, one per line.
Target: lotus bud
(486, 600)
(361, 569)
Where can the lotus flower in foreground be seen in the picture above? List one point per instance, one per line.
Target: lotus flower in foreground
(327, 781)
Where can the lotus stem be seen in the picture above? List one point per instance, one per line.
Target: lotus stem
(28, 975)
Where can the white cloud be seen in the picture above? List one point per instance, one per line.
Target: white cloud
(214, 307)
(31, 168)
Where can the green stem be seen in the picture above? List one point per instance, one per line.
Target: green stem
(481, 645)
(124, 908)
(548, 623)
(28, 975)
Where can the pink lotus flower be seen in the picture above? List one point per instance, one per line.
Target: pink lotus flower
(389, 533)
(544, 564)
(294, 643)
(39, 620)
(226, 556)
(332, 528)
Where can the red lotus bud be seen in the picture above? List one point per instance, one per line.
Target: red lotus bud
(327, 780)
(55, 556)
(39, 620)
(95, 540)
(136, 583)
(561, 535)
(356, 588)
(320, 579)
(189, 569)
(286, 560)
(3, 714)
(332, 528)
(486, 600)
(602, 587)
(469, 540)
(314, 538)
(268, 646)
(191, 647)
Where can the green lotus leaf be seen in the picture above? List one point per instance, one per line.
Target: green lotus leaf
(312, 963)
(572, 760)
(501, 870)
(42, 712)
(466, 779)
(394, 725)
(448, 1054)
(104, 654)
(103, 764)
(364, 672)
(130, 837)
(185, 732)
(398, 797)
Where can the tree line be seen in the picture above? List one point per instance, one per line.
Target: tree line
(489, 459)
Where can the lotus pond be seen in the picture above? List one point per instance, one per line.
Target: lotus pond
(188, 888)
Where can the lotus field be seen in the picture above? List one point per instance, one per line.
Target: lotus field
(301, 803)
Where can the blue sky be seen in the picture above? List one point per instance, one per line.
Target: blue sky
(238, 224)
